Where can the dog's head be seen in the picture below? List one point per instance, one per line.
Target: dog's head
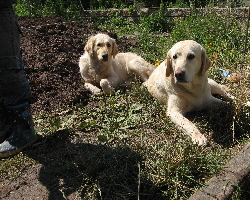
(102, 47)
(185, 60)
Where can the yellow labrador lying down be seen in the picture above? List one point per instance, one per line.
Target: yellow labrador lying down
(104, 69)
(181, 82)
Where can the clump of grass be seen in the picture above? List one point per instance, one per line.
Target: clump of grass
(158, 21)
(222, 38)
(12, 168)
(243, 191)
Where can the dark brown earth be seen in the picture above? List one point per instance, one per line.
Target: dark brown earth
(51, 48)
(57, 168)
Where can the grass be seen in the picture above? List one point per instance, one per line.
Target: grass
(242, 192)
(135, 122)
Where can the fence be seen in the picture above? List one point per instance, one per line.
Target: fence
(135, 14)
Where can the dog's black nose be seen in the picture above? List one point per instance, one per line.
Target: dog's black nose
(180, 75)
(105, 57)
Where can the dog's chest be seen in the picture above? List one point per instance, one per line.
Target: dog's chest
(194, 100)
(97, 73)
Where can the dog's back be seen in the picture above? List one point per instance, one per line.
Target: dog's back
(135, 65)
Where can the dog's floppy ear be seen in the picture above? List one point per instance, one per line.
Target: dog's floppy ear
(90, 46)
(205, 61)
(114, 49)
(168, 63)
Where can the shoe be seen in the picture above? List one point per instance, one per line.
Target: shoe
(22, 133)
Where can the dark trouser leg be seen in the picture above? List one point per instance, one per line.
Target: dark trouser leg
(14, 87)
(15, 119)
(16, 126)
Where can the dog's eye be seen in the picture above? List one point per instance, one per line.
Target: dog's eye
(190, 56)
(99, 44)
(108, 45)
(174, 56)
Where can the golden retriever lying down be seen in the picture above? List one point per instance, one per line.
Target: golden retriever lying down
(181, 82)
(104, 69)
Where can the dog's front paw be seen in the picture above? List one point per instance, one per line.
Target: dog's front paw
(200, 139)
(93, 89)
(106, 86)
(97, 92)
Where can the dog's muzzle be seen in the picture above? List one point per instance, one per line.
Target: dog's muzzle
(180, 76)
(105, 57)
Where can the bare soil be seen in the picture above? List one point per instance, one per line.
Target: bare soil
(51, 48)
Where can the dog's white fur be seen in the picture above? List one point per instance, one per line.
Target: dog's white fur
(104, 69)
(181, 82)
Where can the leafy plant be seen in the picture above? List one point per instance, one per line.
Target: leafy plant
(221, 38)
(157, 21)
(34, 8)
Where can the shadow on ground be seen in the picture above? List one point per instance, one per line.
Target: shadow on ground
(226, 123)
(86, 171)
